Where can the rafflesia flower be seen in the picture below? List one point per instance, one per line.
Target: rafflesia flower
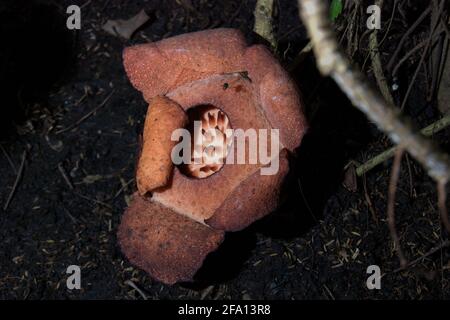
(181, 212)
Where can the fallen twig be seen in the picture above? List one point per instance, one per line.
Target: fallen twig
(16, 182)
(427, 132)
(93, 200)
(206, 292)
(331, 61)
(65, 176)
(135, 287)
(9, 159)
(74, 220)
(122, 188)
(426, 255)
(86, 116)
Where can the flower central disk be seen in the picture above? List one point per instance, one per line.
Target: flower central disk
(211, 140)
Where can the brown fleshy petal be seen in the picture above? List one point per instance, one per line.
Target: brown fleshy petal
(167, 245)
(252, 199)
(280, 98)
(155, 165)
(156, 68)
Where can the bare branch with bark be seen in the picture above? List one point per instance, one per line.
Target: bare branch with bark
(332, 61)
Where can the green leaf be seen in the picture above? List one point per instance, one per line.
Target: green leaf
(335, 9)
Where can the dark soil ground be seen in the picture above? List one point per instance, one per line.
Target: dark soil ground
(318, 245)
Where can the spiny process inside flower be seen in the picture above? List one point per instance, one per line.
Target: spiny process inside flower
(211, 140)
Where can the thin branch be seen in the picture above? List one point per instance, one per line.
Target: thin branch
(406, 36)
(331, 61)
(426, 255)
(427, 132)
(263, 21)
(376, 62)
(422, 59)
(442, 204)
(369, 202)
(391, 206)
(86, 116)
(407, 56)
(9, 159)
(390, 21)
(16, 182)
